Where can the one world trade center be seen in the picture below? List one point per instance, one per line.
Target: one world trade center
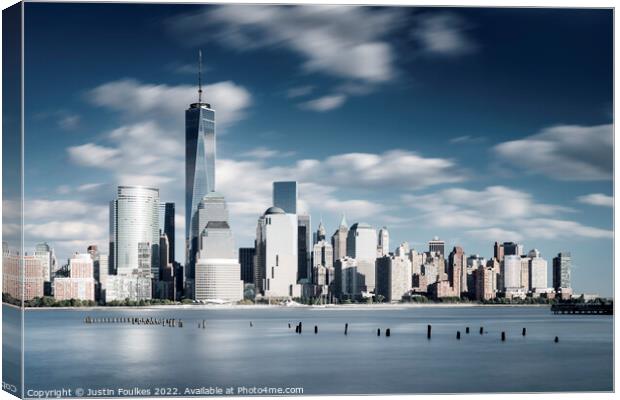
(199, 170)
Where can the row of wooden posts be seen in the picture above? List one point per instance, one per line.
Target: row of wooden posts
(429, 329)
(173, 322)
(170, 322)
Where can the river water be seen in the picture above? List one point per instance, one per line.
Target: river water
(61, 351)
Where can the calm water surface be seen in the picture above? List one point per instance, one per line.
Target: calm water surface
(62, 351)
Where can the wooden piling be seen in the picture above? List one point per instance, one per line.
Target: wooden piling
(467, 330)
(316, 329)
(428, 332)
(378, 331)
(387, 332)
(503, 336)
(557, 339)
(458, 335)
(523, 332)
(346, 328)
(481, 330)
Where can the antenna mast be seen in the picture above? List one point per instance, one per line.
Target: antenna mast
(199, 76)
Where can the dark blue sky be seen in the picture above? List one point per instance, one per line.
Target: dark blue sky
(405, 116)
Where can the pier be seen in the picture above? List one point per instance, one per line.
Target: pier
(583, 308)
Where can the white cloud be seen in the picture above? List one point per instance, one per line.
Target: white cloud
(93, 155)
(564, 152)
(443, 34)
(65, 230)
(553, 228)
(325, 103)
(345, 42)
(138, 148)
(265, 152)
(299, 91)
(495, 234)
(597, 199)
(396, 168)
(69, 122)
(136, 99)
(38, 209)
(467, 139)
(498, 213)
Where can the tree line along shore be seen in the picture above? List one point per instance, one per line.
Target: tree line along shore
(50, 302)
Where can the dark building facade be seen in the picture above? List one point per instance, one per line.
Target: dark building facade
(246, 260)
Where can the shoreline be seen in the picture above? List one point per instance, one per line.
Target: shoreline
(356, 307)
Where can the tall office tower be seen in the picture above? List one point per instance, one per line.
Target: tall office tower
(179, 280)
(199, 169)
(347, 284)
(339, 240)
(277, 241)
(525, 272)
(393, 277)
(212, 207)
(246, 261)
(383, 244)
(320, 233)
(362, 245)
(473, 263)
(166, 225)
(434, 267)
(484, 277)
(104, 272)
(437, 245)
(457, 270)
(218, 274)
(402, 250)
(166, 285)
(512, 273)
(537, 271)
(512, 249)
(93, 251)
(134, 234)
(498, 251)
(417, 260)
(498, 280)
(285, 196)
(323, 254)
(259, 256)
(561, 271)
(45, 253)
(304, 248)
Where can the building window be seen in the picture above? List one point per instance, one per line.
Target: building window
(273, 272)
(277, 260)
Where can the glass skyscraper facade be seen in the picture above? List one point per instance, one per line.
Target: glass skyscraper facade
(285, 196)
(199, 172)
(134, 231)
(561, 271)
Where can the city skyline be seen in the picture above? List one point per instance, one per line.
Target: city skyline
(454, 179)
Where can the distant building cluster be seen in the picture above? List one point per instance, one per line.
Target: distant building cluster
(356, 263)
(287, 261)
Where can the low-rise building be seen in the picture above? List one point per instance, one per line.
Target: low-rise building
(18, 286)
(80, 284)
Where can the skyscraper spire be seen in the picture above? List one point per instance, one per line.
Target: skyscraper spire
(343, 221)
(199, 76)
